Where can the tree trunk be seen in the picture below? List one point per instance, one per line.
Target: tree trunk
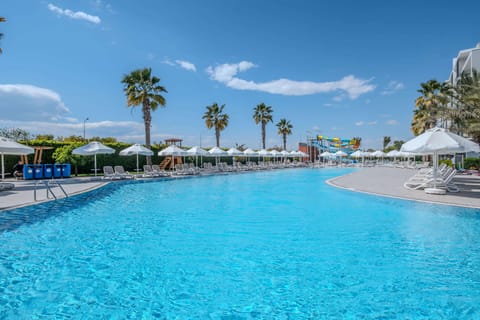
(284, 141)
(263, 135)
(217, 136)
(147, 118)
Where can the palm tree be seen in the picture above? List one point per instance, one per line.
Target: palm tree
(284, 128)
(465, 111)
(2, 19)
(263, 113)
(214, 118)
(386, 141)
(141, 88)
(429, 106)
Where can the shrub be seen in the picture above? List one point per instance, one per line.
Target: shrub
(448, 162)
(472, 163)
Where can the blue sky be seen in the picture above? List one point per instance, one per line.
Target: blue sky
(338, 68)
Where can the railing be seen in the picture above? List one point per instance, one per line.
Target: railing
(48, 187)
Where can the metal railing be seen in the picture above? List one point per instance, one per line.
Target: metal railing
(48, 187)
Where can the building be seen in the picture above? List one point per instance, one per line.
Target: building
(466, 61)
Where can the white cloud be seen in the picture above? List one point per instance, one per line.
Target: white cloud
(363, 123)
(186, 65)
(168, 62)
(392, 122)
(28, 102)
(226, 74)
(77, 15)
(392, 87)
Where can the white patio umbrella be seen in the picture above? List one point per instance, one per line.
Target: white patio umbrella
(172, 151)
(234, 152)
(217, 152)
(263, 153)
(197, 151)
(340, 153)
(250, 153)
(357, 154)
(10, 147)
(439, 141)
(92, 149)
(285, 154)
(274, 153)
(136, 149)
(378, 154)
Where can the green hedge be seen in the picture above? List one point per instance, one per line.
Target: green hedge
(472, 163)
(61, 153)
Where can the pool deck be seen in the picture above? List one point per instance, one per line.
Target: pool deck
(23, 193)
(388, 181)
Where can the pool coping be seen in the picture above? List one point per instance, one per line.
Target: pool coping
(331, 182)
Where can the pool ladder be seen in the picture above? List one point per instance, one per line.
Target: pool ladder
(48, 187)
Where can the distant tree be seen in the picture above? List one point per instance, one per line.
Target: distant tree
(141, 88)
(284, 128)
(104, 140)
(215, 118)
(2, 19)
(44, 137)
(397, 144)
(16, 134)
(263, 114)
(64, 155)
(72, 139)
(386, 141)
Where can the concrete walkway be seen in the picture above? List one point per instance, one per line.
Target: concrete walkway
(388, 181)
(23, 193)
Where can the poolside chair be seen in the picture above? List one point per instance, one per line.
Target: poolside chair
(109, 173)
(148, 172)
(5, 186)
(120, 171)
(159, 172)
(441, 182)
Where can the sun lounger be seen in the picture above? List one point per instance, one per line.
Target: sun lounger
(109, 173)
(120, 171)
(5, 186)
(440, 182)
(159, 172)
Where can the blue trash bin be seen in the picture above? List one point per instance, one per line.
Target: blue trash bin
(38, 171)
(47, 170)
(27, 171)
(66, 170)
(57, 170)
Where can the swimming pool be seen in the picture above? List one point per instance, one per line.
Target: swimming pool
(263, 245)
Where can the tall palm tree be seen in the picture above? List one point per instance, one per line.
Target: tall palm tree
(386, 141)
(215, 118)
(263, 114)
(284, 128)
(141, 88)
(429, 106)
(2, 19)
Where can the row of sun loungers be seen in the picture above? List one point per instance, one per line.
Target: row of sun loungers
(153, 171)
(424, 178)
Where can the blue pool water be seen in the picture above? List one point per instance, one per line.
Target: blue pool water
(266, 245)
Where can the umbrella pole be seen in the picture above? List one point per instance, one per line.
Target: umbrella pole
(435, 164)
(137, 164)
(3, 168)
(95, 164)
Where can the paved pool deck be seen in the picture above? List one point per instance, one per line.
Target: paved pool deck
(388, 181)
(23, 193)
